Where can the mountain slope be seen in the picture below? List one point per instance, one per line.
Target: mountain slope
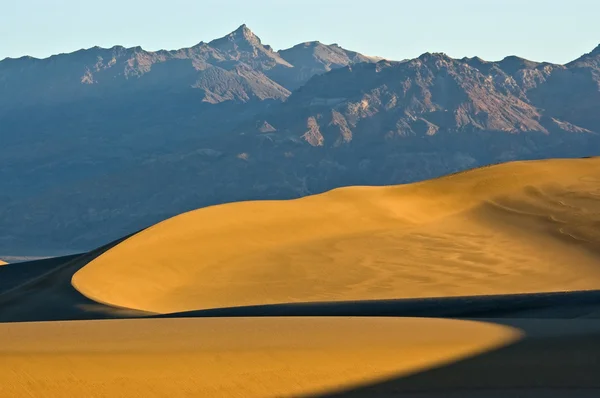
(103, 142)
(243, 45)
(572, 93)
(433, 93)
(315, 58)
(235, 67)
(97, 72)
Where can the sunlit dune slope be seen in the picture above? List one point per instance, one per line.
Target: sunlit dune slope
(2, 263)
(224, 357)
(511, 228)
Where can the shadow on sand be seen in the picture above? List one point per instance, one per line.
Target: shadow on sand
(555, 359)
(559, 357)
(41, 290)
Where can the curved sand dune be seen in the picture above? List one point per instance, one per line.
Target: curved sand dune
(512, 228)
(221, 357)
(41, 290)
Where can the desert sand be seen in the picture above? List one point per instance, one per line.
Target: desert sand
(513, 228)
(520, 227)
(221, 357)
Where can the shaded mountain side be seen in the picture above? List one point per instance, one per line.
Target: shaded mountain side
(572, 92)
(52, 147)
(102, 142)
(82, 212)
(434, 93)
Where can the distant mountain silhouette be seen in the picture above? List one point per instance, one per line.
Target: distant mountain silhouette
(101, 142)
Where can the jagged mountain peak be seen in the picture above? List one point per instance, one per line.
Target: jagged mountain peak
(478, 63)
(425, 57)
(243, 34)
(243, 29)
(434, 61)
(242, 45)
(474, 60)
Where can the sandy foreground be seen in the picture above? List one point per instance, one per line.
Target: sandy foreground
(518, 227)
(221, 357)
(301, 357)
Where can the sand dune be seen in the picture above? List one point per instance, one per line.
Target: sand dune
(511, 228)
(240, 357)
(2, 263)
(557, 358)
(41, 290)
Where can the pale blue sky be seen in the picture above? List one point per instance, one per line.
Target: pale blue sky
(541, 30)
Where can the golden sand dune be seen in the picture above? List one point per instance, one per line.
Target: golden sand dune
(221, 357)
(511, 228)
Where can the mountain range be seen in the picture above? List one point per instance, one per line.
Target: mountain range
(100, 143)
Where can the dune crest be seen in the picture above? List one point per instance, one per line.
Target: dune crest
(512, 228)
(249, 357)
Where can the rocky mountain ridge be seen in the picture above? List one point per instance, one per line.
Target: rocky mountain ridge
(101, 142)
(235, 67)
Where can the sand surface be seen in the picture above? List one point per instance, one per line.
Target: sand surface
(513, 228)
(556, 358)
(221, 357)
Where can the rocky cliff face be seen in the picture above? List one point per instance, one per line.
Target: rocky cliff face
(102, 142)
